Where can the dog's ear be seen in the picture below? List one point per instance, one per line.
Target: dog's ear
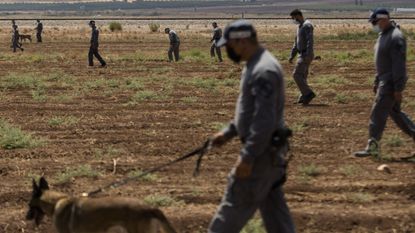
(34, 185)
(43, 184)
(36, 192)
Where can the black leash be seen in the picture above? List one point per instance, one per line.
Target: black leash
(201, 151)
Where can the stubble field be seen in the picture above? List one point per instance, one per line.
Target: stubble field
(143, 111)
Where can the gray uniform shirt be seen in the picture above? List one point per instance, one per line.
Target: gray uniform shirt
(390, 59)
(94, 38)
(217, 34)
(174, 38)
(260, 106)
(304, 41)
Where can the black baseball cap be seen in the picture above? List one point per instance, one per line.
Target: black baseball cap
(379, 13)
(240, 29)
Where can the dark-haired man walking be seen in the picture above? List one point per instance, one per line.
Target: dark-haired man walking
(304, 47)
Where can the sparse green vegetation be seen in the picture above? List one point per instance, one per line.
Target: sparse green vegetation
(115, 26)
(327, 81)
(108, 152)
(63, 121)
(189, 99)
(341, 98)
(154, 27)
(367, 35)
(393, 141)
(218, 125)
(12, 137)
(71, 173)
(160, 200)
(350, 170)
(300, 126)
(148, 177)
(311, 170)
(254, 226)
(360, 197)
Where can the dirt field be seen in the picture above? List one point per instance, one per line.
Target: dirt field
(145, 111)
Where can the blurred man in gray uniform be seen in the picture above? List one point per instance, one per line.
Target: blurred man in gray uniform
(217, 34)
(257, 179)
(15, 38)
(174, 45)
(390, 82)
(39, 30)
(93, 49)
(304, 46)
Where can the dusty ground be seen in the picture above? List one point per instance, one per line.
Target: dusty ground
(145, 111)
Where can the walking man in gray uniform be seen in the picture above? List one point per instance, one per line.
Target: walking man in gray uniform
(39, 30)
(15, 38)
(304, 46)
(174, 44)
(217, 34)
(93, 50)
(391, 78)
(257, 179)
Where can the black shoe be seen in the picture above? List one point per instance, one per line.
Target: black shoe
(104, 65)
(300, 99)
(308, 98)
(372, 149)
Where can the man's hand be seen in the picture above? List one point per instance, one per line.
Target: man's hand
(219, 139)
(242, 169)
(398, 96)
(375, 89)
(291, 60)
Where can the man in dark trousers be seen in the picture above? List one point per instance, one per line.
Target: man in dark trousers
(256, 180)
(174, 45)
(217, 34)
(15, 38)
(390, 82)
(39, 30)
(304, 47)
(93, 50)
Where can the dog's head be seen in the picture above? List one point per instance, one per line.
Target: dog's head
(35, 210)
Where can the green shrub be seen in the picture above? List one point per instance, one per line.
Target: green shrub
(154, 27)
(12, 137)
(115, 26)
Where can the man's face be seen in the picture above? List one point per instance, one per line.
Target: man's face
(235, 49)
(214, 25)
(296, 18)
(382, 23)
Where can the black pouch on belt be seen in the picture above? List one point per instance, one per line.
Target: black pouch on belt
(280, 137)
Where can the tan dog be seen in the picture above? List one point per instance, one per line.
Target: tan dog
(93, 215)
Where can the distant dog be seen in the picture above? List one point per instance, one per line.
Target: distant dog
(93, 215)
(25, 37)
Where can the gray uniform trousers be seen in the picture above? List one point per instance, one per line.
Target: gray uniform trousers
(301, 74)
(384, 106)
(244, 196)
(174, 49)
(216, 49)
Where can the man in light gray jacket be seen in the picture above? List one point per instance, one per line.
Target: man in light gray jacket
(304, 47)
(390, 82)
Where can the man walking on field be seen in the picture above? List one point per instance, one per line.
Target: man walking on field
(217, 34)
(390, 82)
(93, 50)
(304, 46)
(255, 183)
(174, 45)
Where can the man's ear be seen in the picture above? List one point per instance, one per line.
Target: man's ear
(43, 184)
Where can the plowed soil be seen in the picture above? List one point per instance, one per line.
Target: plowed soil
(144, 111)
